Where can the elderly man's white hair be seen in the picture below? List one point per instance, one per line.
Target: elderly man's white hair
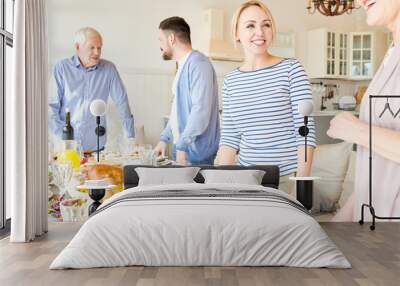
(85, 33)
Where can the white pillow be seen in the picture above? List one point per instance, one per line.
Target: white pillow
(166, 176)
(330, 164)
(348, 183)
(248, 177)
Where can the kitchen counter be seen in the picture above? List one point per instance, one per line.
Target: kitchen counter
(316, 113)
(331, 113)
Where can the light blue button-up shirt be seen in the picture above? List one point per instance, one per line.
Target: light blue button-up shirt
(77, 87)
(197, 109)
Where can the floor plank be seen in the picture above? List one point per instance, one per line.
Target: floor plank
(374, 255)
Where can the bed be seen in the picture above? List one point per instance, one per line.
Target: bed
(198, 224)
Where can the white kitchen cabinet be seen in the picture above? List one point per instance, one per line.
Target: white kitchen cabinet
(367, 50)
(327, 54)
(340, 55)
(343, 55)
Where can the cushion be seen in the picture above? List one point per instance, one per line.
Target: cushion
(248, 177)
(348, 183)
(271, 179)
(166, 176)
(330, 164)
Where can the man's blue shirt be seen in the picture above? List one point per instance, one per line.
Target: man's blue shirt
(77, 87)
(197, 109)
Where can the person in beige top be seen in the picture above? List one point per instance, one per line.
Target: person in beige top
(385, 126)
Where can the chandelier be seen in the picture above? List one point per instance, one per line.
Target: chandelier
(331, 7)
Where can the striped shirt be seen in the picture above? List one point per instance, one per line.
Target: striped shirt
(260, 114)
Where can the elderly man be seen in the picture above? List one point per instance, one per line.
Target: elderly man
(194, 121)
(81, 79)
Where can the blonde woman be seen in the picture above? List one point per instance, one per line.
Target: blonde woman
(385, 130)
(260, 101)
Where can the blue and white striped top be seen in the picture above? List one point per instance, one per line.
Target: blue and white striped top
(260, 114)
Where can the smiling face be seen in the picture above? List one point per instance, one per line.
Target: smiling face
(89, 53)
(381, 12)
(254, 30)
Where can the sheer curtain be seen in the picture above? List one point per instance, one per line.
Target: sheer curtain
(26, 123)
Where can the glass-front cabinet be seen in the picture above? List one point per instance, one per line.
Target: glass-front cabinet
(337, 54)
(327, 54)
(330, 53)
(367, 49)
(343, 58)
(361, 55)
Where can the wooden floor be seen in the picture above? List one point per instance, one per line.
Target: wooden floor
(375, 257)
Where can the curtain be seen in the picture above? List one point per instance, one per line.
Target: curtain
(26, 123)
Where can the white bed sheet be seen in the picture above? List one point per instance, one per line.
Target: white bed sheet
(200, 232)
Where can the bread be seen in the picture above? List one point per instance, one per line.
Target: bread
(110, 171)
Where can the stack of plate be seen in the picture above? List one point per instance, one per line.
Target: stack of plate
(96, 184)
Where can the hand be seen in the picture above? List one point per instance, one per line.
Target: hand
(181, 158)
(160, 149)
(345, 126)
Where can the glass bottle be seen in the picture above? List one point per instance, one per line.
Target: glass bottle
(70, 146)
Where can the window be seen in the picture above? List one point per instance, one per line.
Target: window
(6, 44)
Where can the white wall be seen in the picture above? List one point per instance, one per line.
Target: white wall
(130, 33)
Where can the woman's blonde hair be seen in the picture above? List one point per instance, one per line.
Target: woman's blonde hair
(245, 5)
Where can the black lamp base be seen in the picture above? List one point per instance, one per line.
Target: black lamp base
(304, 193)
(96, 195)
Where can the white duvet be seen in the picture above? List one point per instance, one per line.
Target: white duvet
(202, 231)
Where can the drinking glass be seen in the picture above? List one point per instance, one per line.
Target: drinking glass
(128, 146)
(79, 148)
(114, 148)
(148, 154)
(139, 149)
(62, 175)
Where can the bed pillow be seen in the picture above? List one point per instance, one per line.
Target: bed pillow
(348, 183)
(330, 164)
(166, 176)
(248, 177)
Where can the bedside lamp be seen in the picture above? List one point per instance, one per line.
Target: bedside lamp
(305, 108)
(304, 185)
(98, 108)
